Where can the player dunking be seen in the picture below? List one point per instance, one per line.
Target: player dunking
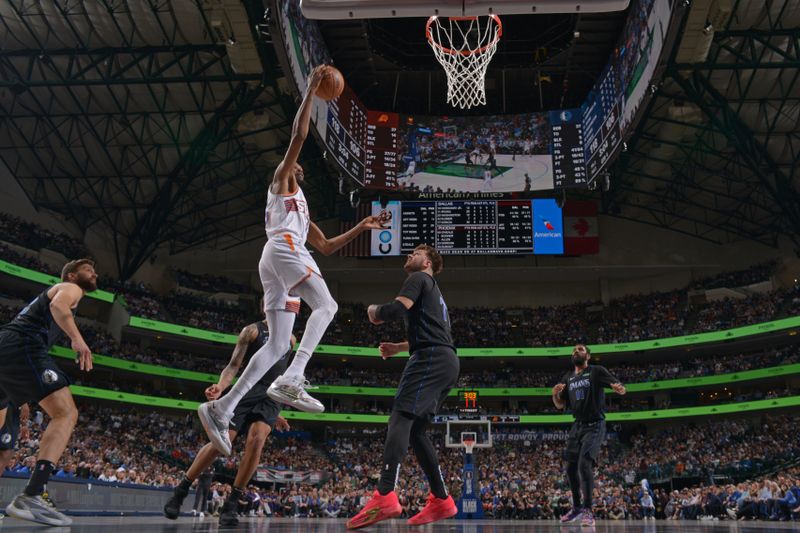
(286, 267)
(582, 391)
(256, 415)
(430, 373)
(29, 374)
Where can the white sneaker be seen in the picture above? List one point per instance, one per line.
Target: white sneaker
(37, 509)
(216, 425)
(291, 390)
(202, 514)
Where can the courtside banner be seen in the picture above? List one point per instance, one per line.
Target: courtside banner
(386, 241)
(47, 279)
(705, 410)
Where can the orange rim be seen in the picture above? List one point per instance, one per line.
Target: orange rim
(450, 51)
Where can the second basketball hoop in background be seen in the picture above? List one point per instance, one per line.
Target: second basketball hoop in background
(332, 84)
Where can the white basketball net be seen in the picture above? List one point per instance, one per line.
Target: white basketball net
(464, 46)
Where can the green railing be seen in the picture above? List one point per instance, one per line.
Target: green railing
(356, 351)
(226, 338)
(701, 381)
(46, 279)
(155, 401)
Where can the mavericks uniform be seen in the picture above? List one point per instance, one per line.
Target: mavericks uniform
(285, 261)
(10, 428)
(585, 397)
(256, 406)
(27, 372)
(432, 369)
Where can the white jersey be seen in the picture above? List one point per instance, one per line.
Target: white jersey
(287, 218)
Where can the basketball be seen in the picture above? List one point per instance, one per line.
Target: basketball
(332, 84)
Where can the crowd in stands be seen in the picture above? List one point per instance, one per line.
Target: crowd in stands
(508, 375)
(739, 278)
(626, 319)
(34, 237)
(207, 313)
(23, 260)
(209, 283)
(517, 479)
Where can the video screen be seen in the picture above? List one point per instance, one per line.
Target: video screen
(501, 153)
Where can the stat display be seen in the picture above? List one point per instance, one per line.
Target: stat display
(468, 400)
(569, 163)
(363, 142)
(471, 227)
(601, 122)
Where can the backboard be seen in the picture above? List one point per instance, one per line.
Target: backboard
(364, 9)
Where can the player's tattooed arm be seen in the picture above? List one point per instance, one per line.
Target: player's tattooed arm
(247, 335)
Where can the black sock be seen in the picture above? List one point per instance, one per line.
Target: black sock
(41, 473)
(185, 484)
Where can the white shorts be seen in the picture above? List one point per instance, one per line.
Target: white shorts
(283, 267)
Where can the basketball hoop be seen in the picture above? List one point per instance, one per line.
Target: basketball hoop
(464, 46)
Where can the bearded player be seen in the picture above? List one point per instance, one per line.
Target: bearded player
(29, 374)
(287, 270)
(582, 390)
(431, 371)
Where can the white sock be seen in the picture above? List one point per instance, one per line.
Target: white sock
(280, 334)
(315, 293)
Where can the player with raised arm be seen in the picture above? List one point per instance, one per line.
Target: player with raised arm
(431, 371)
(256, 416)
(287, 269)
(29, 374)
(582, 390)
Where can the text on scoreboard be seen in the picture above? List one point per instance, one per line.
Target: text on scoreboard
(471, 227)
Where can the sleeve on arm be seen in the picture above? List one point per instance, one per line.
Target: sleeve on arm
(605, 377)
(413, 286)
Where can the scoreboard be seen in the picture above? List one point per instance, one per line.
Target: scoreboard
(471, 227)
(468, 401)
(601, 122)
(569, 164)
(363, 142)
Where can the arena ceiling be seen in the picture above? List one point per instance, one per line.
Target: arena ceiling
(717, 153)
(160, 121)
